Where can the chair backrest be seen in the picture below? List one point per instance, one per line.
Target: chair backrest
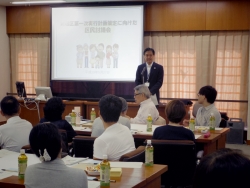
(160, 121)
(83, 146)
(137, 155)
(64, 140)
(27, 149)
(180, 156)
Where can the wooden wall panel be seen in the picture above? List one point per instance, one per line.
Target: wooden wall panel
(175, 16)
(28, 19)
(228, 15)
(45, 19)
(159, 16)
(23, 19)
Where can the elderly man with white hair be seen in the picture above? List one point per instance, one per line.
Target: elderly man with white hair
(142, 97)
(98, 128)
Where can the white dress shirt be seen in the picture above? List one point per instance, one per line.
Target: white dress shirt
(15, 134)
(147, 107)
(204, 113)
(114, 142)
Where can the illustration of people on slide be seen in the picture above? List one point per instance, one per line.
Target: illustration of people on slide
(115, 55)
(86, 55)
(92, 49)
(108, 55)
(100, 54)
(97, 62)
(79, 56)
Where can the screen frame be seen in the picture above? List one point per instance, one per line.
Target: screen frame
(57, 86)
(46, 91)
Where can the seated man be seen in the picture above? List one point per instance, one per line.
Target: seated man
(175, 112)
(142, 97)
(98, 128)
(206, 97)
(53, 111)
(15, 133)
(117, 139)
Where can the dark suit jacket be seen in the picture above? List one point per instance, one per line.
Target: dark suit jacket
(155, 77)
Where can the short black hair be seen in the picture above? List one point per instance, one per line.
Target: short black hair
(45, 136)
(110, 108)
(222, 169)
(175, 111)
(149, 49)
(209, 92)
(9, 106)
(53, 109)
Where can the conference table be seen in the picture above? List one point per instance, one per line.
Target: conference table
(215, 141)
(144, 177)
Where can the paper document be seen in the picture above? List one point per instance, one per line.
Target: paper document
(197, 136)
(126, 164)
(154, 99)
(93, 184)
(72, 160)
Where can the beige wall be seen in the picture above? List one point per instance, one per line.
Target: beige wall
(4, 57)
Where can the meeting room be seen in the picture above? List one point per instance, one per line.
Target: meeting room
(106, 93)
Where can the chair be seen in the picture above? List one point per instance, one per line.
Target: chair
(137, 155)
(27, 149)
(180, 156)
(160, 121)
(83, 146)
(64, 137)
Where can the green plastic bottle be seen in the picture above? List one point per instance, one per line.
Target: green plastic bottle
(73, 118)
(22, 164)
(149, 154)
(105, 172)
(149, 123)
(92, 115)
(212, 122)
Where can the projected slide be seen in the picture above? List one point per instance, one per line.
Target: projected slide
(96, 43)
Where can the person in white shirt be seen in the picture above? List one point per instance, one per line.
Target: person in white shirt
(117, 139)
(15, 133)
(142, 97)
(98, 128)
(206, 97)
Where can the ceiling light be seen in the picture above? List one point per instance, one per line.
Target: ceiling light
(36, 2)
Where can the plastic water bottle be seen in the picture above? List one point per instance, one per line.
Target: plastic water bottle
(212, 122)
(149, 154)
(73, 118)
(149, 123)
(192, 124)
(92, 115)
(22, 164)
(105, 172)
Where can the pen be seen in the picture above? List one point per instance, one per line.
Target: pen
(100, 180)
(9, 170)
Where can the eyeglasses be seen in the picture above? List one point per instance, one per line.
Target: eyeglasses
(137, 94)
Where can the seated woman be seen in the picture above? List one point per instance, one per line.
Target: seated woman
(53, 110)
(175, 112)
(225, 168)
(45, 141)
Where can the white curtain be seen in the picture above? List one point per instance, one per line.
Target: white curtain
(195, 59)
(29, 59)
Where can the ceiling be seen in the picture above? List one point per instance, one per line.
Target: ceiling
(7, 2)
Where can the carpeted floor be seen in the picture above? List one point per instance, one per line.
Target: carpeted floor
(243, 147)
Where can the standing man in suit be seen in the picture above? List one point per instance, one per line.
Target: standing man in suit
(150, 73)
